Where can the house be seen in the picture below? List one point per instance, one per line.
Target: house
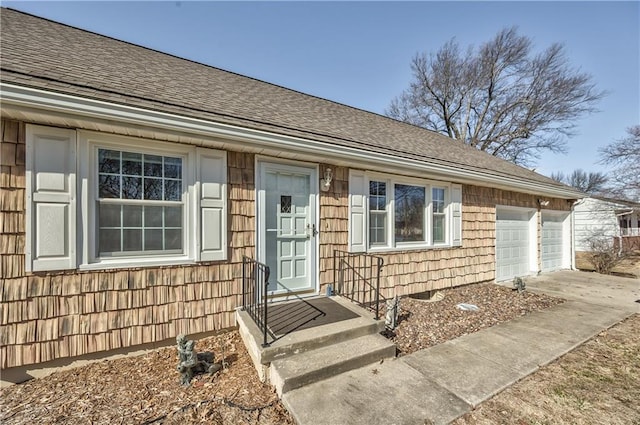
(135, 183)
(614, 219)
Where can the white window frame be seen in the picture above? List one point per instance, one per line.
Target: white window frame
(89, 143)
(446, 213)
(391, 181)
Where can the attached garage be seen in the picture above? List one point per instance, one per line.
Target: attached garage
(515, 242)
(555, 246)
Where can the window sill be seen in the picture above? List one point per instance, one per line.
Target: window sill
(130, 263)
(408, 248)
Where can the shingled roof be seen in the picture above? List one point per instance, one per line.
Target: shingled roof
(47, 55)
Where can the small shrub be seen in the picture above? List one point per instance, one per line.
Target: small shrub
(604, 256)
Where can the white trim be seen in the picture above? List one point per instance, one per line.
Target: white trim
(23, 97)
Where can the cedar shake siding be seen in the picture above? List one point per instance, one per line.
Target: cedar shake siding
(52, 315)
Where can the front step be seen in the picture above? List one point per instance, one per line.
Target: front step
(305, 340)
(312, 366)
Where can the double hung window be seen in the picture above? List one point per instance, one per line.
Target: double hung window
(140, 204)
(98, 200)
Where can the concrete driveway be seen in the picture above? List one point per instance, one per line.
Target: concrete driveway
(593, 288)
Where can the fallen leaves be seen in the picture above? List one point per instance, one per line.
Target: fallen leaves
(423, 324)
(146, 390)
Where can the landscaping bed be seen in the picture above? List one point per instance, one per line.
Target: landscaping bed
(423, 324)
(146, 389)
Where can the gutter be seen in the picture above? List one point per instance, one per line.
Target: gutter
(42, 100)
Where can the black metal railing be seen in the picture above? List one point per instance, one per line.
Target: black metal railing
(357, 277)
(255, 281)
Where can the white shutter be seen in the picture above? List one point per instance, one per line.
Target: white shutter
(212, 178)
(357, 211)
(456, 215)
(51, 198)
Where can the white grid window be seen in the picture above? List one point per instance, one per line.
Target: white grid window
(377, 213)
(140, 204)
(438, 215)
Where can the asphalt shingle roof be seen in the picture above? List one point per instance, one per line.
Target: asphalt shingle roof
(39, 53)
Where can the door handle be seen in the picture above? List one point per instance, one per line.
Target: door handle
(312, 230)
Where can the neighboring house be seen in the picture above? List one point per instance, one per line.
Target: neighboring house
(134, 182)
(599, 217)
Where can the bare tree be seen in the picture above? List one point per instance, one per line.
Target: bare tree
(624, 154)
(593, 182)
(500, 98)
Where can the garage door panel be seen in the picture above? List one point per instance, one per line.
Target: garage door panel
(552, 242)
(512, 244)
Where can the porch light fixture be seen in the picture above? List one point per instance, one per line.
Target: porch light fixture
(543, 202)
(325, 183)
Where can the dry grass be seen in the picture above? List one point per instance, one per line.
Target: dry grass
(597, 383)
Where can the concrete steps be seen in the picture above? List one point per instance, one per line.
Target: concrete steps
(310, 355)
(325, 362)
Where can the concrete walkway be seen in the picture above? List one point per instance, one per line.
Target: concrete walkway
(441, 383)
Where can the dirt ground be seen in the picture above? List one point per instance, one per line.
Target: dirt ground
(423, 324)
(597, 383)
(146, 390)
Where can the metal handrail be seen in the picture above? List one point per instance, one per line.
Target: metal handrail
(357, 277)
(255, 282)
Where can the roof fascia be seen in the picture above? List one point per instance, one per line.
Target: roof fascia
(28, 97)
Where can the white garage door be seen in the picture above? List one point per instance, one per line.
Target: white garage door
(552, 242)
(512, 244)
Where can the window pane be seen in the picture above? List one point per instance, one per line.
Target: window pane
(153, 165)
(109, 240)
(132, 215)
(173, 216)
(437, 196)
(153, 189)
(409, 213)
(153, 239)
(132, 163)
(109, 215)
(377, 188)
(108, 161)
(173, 239)
(377, 228)
(172, 190)
(131, 188)
(132, 240)
(438, 228)
(172, 168)
(108, 186)
(153, 217)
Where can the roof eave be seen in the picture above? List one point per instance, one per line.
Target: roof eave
(27, 97)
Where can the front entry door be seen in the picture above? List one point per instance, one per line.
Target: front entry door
(287, 227)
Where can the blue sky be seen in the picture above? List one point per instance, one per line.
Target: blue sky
(358, 53)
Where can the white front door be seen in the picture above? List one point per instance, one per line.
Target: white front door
(287, 227)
